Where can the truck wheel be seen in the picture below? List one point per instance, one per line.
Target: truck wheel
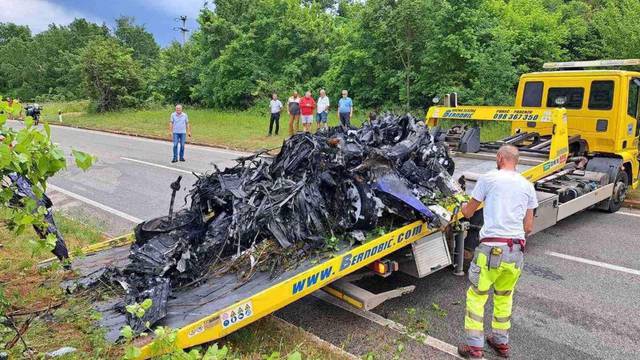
(619, 192)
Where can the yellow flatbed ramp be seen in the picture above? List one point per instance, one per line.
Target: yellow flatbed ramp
(222, 305)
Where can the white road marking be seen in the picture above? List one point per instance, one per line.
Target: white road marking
(628, 213)
(159, 165)
(140, 138)
(96, 204)
(382, 321)
(595, 263)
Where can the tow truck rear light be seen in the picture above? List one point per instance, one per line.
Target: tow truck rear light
(383, 267)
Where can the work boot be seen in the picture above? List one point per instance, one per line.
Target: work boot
(470, 352)
(174, 160)
(501, 349)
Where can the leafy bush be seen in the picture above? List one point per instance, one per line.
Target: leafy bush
(112, 77)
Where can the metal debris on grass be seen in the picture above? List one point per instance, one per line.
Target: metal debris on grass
(264, 213)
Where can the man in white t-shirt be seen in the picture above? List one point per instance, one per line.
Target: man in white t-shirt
(275, 106)
(509, 201)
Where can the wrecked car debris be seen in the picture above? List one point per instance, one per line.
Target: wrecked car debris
(264, 213)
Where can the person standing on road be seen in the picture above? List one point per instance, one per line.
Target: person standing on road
(293, 109)
(275, 106)
(509, 200)
(322, 111)
(345, 109)
(179, 128)
(307, 105)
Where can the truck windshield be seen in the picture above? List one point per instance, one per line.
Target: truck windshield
(573, 97)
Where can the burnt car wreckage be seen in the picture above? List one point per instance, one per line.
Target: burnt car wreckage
(340, 183)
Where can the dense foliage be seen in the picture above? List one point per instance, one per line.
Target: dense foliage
(387, 52)
(30, 153)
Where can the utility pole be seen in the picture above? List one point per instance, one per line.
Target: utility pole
(183, 28)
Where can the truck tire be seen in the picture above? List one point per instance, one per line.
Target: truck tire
(619, 192)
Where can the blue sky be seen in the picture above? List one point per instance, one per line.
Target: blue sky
(156, 15)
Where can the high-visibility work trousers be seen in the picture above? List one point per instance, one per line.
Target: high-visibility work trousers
(503, 279)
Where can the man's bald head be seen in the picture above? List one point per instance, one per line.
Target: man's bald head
(507, 157)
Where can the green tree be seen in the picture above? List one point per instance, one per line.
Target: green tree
(9, 31)
(616, 30)
(145, 49)
(112, 77)
(47, 63)
(176, 73)
(252, 48)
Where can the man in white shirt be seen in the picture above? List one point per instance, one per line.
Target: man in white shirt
(509, 201)
(275, 106)
(322, 111)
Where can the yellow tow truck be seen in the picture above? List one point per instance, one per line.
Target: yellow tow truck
(577, 131)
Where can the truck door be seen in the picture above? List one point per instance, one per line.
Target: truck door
(633, 110)
(633, 102)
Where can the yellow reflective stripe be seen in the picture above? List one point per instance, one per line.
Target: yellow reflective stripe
(478, 291)
(473, 332)
(501, 319)
(475, 317)
(502, 292)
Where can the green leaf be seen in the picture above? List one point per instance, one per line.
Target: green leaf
(294, 356)
(83, 160)
(51, 241)
(131, 309)
(5, 153)
(127, 332)
(132, 353)
(140, 313)
(47, 129)
(274, 356)
(146, 304)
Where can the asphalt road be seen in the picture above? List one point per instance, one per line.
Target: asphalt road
(130, 181)
(564, 309)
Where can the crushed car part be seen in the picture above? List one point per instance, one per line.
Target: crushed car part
(264, 213)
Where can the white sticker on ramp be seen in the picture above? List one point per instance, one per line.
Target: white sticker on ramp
(236, 314)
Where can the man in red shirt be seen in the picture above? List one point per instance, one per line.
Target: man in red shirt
(307, 104)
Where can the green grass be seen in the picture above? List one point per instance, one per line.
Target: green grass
(27, 288)
(242, 130)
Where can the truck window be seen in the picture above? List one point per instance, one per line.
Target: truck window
(632, 108)
(532, 96)
(574, 97)
(633, 102)
(601, 95)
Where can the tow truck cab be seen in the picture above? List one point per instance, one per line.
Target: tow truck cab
(603, 114)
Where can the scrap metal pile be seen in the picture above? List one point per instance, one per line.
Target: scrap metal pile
(338, 183)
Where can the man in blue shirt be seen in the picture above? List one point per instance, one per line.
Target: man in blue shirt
(179, 127)
(345, 109)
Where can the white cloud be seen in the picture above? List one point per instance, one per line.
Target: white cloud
(38, 14)
(176, 8)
